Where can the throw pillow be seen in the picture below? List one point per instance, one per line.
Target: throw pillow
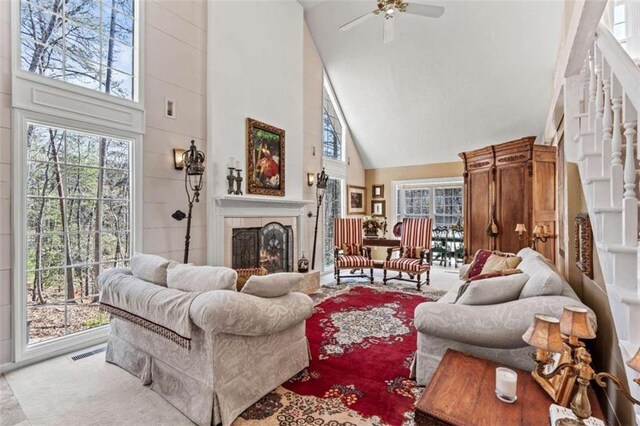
(149, 267)
(412, 252)
(201, 278)
(494, 274)
(350, 249)
(273, 285)
(479, 259)
(499, 262)
(544, 280)
(491, 291)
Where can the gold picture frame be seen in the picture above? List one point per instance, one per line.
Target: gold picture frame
(356, 199)
(378, 208)
(560, 386)
(584, 244)
(377, 191)
(265, 159)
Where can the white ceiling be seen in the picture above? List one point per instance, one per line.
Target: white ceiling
(481, 74)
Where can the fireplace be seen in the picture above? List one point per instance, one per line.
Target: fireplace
(270, 246)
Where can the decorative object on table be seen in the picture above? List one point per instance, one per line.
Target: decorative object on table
(584, 244)
(303, 264)
(321, 185)
(506, 385)
(230, 180)
(378, 208)
(540, 234)
(397, 230)
(416, 237)
(348, 249)
(372, 225)
(545, 335)
(265, 159)
(356, 196)
(193, 161)
(557, 413)
(238, 180)
(377, 191)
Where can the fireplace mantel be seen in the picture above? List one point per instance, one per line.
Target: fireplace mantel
(248, 206)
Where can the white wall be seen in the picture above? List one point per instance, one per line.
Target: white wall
(175, 56)
(6, 258)
(255, 69)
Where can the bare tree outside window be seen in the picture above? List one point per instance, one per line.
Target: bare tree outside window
(332, 211)
(78, 223)
(88, 43)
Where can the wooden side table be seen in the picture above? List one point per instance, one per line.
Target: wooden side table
(462, 393)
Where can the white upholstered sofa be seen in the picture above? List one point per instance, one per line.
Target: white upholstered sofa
(491, 331)
(210, 354)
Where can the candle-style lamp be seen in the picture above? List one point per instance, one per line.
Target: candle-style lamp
(540, 233)
(544, 335)
(575, 324)
(635, 364)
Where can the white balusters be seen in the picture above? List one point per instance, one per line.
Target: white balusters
(592, 89)
(617, 180)
(606, 120)
(629, 201)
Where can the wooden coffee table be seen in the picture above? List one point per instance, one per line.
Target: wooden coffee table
(462, 392)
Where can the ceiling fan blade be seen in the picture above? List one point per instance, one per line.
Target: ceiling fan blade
(427, 10)
(357, 21)
(388, 30)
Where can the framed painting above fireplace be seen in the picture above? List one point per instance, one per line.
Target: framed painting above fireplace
(265, 159)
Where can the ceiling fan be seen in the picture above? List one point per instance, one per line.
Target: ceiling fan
(389, 8)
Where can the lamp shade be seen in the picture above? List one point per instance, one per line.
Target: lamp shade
(575, 322)
(520, 228)
(635, 361)
(544, 334)
(537, 230)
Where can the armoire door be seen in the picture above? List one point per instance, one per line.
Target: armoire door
(477, 211)
(513, 204)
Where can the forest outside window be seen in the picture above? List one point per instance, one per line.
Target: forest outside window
(88, 43)
(78, 223)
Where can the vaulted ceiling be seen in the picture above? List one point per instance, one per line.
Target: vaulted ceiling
(481, 74)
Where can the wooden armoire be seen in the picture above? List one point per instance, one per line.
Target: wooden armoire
(515, 182)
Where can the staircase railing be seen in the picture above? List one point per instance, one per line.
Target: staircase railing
(609, 101)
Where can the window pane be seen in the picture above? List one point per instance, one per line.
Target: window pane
(619, 31)
(332, 130)
(448, 206)
(95, 37)
(71, 238)
(332, 210)
(618, 13)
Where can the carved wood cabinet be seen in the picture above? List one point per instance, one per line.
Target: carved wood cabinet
(510, 183)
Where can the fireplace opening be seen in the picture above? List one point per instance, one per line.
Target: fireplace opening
(270, 247)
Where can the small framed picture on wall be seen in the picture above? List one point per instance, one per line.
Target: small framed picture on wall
(378, 208)
(377, 191)
(356, 199)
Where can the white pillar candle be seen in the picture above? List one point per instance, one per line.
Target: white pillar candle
(506, 382)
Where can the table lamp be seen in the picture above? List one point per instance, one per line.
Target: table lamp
(544, 335)
(575, 324)
(635, 364)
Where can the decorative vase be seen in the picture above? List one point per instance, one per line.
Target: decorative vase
(303, 264)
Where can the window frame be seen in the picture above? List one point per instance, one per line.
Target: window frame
(326, 84)
(21, 77)
(431, 184)
(21, 118)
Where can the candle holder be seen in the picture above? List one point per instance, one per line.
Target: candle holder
(230, 180)
(238, 180)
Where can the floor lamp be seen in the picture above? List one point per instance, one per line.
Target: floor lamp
(193, 162)
(321, 185)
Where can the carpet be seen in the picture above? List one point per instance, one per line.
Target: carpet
(362, 341)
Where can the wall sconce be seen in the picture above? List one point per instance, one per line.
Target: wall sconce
(178, 160)
(540, 233)
(311, 178)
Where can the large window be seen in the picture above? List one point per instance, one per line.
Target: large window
(331, 129)
(89, 43)
(77, 223)
(332, 210)
(441, 201)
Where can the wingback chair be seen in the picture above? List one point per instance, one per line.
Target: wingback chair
(349, 252)
(415, 252)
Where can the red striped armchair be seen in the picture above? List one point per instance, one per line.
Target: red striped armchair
(349, 253)
(414, 250)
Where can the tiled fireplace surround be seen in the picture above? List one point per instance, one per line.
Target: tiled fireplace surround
(229, 212)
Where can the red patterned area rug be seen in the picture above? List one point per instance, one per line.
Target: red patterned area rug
(362, 343)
